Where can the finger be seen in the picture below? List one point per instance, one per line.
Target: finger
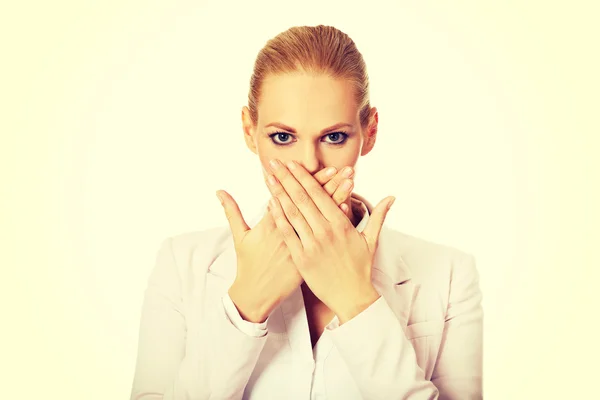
(292, 241)
(301, 199)
(324, 176)
(292, 213)
(318, 204)
(344, 208)
(339, 194)
(343, 191)
(234, 216)
(331, 187)
(268, 217)
(375, 223)
(330, 178)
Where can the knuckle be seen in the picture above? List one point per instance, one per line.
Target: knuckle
(287, 233)
(324, 234)
(304, 259)
(281, 245)
(330, 189)
(277, 190)
(314, 191)
(338, 197)
(346, 185)
(293, 212)
(312, 248)
(320, 177)
(301, 197)
(341, 225)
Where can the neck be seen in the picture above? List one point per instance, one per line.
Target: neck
(355, 219)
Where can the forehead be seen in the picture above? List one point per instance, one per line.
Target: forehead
(307, 101)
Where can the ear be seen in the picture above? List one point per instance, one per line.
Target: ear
(371, 132)
(249, 129)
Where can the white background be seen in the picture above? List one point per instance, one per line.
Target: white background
(120, 120)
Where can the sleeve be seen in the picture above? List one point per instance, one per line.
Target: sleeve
(249, 328)
(380, 357)
(458, 372)
(215, 363)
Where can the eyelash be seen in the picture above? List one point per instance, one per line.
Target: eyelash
(344, 135)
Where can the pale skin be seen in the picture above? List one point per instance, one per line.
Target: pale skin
(333, 258)
(308, 237)
(266, 273)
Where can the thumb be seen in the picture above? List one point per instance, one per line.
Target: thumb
(234, 216)
(373, 228)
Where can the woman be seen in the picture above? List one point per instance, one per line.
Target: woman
(313, 299)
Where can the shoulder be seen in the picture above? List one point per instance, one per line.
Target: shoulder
(427, 260)
(439, 271)
(187, 243)
(195, 249)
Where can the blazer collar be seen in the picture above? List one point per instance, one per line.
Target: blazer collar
(387, 260)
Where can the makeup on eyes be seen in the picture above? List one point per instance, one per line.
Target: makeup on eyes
(279, 134)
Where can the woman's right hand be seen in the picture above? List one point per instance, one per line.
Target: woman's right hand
(266, 273)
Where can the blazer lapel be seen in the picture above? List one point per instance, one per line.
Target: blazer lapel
(390, 275)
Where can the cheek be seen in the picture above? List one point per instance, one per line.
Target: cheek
(348, 156)
(265, 155)
(352, 153)
(339, 158)
(267, 151)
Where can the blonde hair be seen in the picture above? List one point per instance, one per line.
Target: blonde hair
(312, 49)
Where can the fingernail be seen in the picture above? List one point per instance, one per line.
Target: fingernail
(274, 164)
(271, 180)
(272, 202)
(391, 202)
(348, 172)
(330, 171)
(291, 165)
(220, 198)
(346, 185)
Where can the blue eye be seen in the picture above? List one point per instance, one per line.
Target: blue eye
(336, 138)
(281, 136)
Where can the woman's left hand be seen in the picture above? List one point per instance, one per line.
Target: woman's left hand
(333, 258)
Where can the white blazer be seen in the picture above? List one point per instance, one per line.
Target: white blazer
(422, 339)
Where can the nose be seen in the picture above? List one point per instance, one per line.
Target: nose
(310, 159)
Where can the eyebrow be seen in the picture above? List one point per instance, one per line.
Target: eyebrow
(290, 129)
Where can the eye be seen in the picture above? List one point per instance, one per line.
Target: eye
(337, 137)
(285, 139)
(281, 138)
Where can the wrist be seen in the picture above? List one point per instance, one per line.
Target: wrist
(251, 311)
(357, 305)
